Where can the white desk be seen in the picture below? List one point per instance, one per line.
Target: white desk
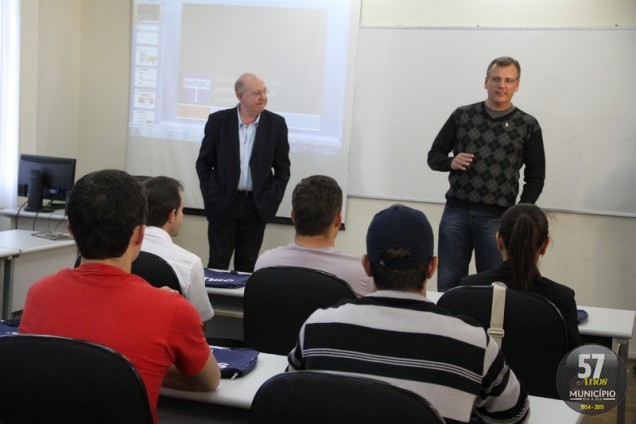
(544, 410)
(614, 324)
(8, 253)
(36, 258)
(227, 302)
(36, 221)
(240, 393)
(617, 324)
(6, 265)
(228, 312)
(227, 322)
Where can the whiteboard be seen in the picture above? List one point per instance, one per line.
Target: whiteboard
(580, 84)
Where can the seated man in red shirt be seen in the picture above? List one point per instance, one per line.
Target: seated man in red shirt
(158, 330)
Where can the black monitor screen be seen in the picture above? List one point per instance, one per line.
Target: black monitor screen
(55, 176)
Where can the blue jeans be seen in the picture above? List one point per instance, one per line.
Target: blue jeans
(460, 231)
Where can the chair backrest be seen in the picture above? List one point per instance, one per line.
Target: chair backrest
(155, 270)
(57, 379)
(152, 268)
(535, 336)
(320, 397)
(278, 300)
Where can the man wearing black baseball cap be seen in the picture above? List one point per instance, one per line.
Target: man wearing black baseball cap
(396, 335)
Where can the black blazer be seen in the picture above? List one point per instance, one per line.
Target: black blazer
(219, 170)
(562, 296)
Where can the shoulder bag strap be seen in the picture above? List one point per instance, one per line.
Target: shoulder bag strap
(496, 330)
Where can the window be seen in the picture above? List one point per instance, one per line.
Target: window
(9, 100)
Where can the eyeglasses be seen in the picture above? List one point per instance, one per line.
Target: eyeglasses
(508, 81)
(261, 93)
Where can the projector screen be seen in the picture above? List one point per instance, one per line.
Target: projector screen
(187, 54)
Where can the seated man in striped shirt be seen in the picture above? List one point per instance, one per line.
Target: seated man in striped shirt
(398, 336)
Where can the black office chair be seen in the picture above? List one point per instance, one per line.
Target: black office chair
(535, 336)
(153, 269)
(156, 271)
(319, 397)
(63, 380)
(278, 300)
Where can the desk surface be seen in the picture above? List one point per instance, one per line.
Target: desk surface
(26, 242)
(544, 410)
(229, 292)
(608, 322)
(6, 252)
(36, 258)
(57, 214)
(239, 392)
(604, 322)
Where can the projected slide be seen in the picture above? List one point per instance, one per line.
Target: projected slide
(188, 54)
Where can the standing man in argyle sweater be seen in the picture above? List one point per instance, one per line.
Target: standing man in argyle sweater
(490, 141)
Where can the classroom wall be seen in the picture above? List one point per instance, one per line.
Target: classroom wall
(74, 102)
(50, 75)
(498, 13)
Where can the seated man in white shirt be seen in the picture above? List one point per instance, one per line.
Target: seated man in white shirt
(317, 216)
(165, 215)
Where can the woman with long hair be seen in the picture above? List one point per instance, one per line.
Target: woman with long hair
(522, 239)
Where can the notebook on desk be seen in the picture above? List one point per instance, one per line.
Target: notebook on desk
(224, 279)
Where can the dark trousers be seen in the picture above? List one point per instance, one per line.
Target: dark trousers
(241, 233)
(460, 232)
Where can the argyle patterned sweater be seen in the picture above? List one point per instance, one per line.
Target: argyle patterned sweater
(501, 147)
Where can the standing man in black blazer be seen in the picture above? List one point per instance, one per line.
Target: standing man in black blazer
(243, 168)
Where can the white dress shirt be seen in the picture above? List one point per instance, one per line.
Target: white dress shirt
(186, 265)
(246, 145)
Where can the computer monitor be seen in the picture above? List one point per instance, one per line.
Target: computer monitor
(45, 177)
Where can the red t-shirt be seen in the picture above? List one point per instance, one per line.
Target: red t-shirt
(151, 327)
